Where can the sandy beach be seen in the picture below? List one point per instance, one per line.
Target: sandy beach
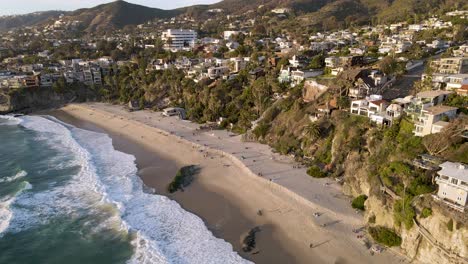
(228, 192)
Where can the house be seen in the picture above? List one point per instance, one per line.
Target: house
(229, 34)
(366, 82)
(97, 76)
(300, 75)
(217, 72)
(456, 81)
(453, 185)
(30, 81)
(452, 65)
(284, 75)
(424, 100)
(298, 61)
(256, 73)
(433, 119)
(462, 51)
(393, 111)
(45, 80)
(416, 27)
(232, 45)
(463, 91)
(372, 106)
(438, 44)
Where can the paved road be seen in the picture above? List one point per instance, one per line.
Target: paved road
(403, 85)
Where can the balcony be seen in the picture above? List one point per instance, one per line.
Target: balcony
(448, 182)
(450, 203)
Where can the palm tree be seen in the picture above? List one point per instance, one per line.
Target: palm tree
(313, 131)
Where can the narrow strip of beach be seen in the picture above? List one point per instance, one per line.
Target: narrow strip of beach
(237, 180)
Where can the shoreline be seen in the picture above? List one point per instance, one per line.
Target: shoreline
(227, 194)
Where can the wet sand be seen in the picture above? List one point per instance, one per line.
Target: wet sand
(227, 195)
(223, 217)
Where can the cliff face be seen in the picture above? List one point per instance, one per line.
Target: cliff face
(430, 240)
(29, 99)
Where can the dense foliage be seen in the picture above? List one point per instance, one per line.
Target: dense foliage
(358, 202)
(385, 236)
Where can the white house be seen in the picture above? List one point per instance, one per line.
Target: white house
(456, 81)
(372, 106)
(432, 121)
(229, 33)
(453, 185)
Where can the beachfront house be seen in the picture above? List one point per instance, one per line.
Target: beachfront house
(433, 119)
(453, 185)
(372, 107)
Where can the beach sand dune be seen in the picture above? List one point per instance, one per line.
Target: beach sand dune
(228, 193)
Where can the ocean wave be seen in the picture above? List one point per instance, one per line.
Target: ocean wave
(19, 175)
(164, 231)
(9, 120)
(5, 212)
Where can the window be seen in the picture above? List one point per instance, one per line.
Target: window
(454, 181)
(464, 184)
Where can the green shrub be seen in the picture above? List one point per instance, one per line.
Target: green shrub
(358, 202)
(404, 213)
(324, 154)
(183, 178)
(261, 130)
(385, 236)
(316, 172)
(450, 225)
(426, 212)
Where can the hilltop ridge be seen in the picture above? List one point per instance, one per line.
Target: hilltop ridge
(118, 14)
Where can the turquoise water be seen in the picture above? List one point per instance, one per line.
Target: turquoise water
(66, 196)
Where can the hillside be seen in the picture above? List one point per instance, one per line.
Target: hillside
(323, 14)
(12, 22)
(239, 6)
(117, 15)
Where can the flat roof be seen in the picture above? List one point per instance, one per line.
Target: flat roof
(454, 170)
(440, 109)
(441, 123)
(431, 94)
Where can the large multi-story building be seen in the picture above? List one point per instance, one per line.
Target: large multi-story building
(453, 65)
(453, 185)
(179, 39)
(433, 119)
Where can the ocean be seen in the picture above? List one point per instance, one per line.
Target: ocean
(67, 196)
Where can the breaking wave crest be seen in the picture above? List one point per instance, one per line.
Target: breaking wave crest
(162, 231)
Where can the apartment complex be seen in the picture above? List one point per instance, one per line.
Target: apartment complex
(179, 39)
(453, 65)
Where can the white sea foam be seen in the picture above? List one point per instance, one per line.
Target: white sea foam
(9, 120)
(5, 211)
(15, 177)
(165, 233)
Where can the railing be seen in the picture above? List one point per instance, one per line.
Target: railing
(390, 192)
(454, 257)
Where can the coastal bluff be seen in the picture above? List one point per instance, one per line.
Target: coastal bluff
(26, 100)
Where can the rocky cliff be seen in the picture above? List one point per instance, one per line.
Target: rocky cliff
(29, 99)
